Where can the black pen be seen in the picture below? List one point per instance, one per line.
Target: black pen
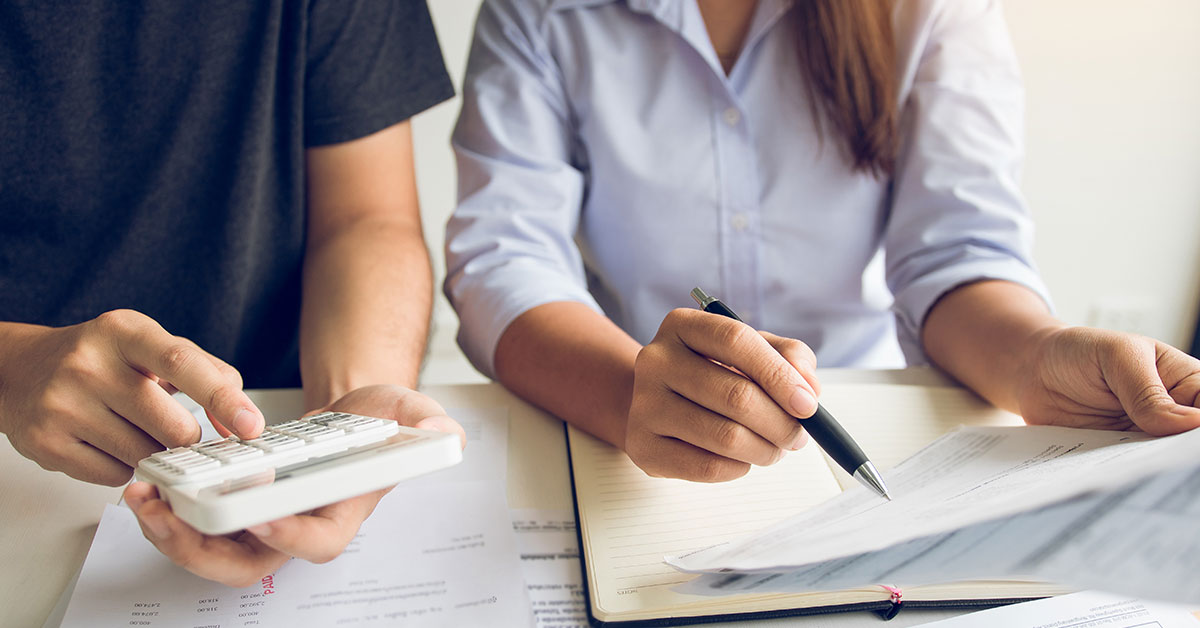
(821, 425)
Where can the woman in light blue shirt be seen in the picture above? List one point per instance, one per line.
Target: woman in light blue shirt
(843, 174)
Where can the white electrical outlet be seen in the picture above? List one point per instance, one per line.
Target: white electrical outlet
(1120, 315)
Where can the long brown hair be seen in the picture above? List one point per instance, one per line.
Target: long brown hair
(848, 54)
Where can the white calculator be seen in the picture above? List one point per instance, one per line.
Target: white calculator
(224, 485)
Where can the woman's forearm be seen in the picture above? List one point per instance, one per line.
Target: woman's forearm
(574, 363)
(982, 333)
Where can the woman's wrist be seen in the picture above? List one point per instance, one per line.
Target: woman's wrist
(573, 362)
(1031, 351)
(988, 335)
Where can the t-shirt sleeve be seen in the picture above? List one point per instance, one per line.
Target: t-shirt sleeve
(370, 64)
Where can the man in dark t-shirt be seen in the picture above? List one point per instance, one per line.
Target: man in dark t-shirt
(197, 194)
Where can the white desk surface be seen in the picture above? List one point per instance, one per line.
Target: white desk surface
(47, 520)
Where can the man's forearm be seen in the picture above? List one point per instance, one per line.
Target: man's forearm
(368, 291)
(981, 333)
(572, 362)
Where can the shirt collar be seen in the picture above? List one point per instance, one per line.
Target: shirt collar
(683, 17)
(671, 12)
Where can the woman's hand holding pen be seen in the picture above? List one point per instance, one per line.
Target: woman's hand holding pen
(711, 396)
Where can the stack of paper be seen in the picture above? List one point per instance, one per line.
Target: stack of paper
(1095, 509)
(1086, 609)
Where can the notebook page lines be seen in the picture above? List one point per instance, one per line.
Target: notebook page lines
(632, 520)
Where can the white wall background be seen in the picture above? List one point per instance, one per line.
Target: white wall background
(1113, 158)
(1112, 169)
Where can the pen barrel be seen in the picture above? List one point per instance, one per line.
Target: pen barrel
(834, 440)
(716, 307)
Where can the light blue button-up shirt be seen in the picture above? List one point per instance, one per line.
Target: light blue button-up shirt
(605, 157)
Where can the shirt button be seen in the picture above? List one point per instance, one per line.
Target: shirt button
(732, 116)
(739, 221)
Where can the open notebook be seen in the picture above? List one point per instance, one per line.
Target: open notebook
(629, 521)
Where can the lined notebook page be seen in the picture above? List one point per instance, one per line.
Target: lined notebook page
(629, 520)
(892, 422)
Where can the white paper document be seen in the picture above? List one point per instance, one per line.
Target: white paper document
(439, 550)
(549, 547)
(1095, 509)
(485, 458)
(429, 556)
(1086, 609)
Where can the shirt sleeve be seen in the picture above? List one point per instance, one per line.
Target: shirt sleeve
(510, 242)
(957, 212)
(370, 64)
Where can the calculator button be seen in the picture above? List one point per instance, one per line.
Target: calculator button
(192, 460)
(199, 467)
(321, 433)
(238, 455)
(171, 453)
(357, 424)
(184, 458)
(325, 418)
(159, 467)
(175, 460)
(212, 447)
(310, 432)
(275, 442)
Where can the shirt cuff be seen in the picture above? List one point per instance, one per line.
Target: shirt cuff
(912, 304)
(486, 306)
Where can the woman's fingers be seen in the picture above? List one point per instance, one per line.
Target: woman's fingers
(700, 381)
(662, 456)
(711, 396)
(739, 346)
(1138, 372)
(720, 386)
(799, 355)
(713, 432)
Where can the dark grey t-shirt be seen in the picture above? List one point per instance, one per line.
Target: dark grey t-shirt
(152, 155)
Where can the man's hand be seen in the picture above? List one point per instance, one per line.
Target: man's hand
(711, 396)
(319, 536)
(1099, 379)
(93, 399)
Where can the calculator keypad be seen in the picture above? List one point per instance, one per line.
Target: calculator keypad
(281, 444)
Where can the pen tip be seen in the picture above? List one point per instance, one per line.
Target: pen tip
(869, 476)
